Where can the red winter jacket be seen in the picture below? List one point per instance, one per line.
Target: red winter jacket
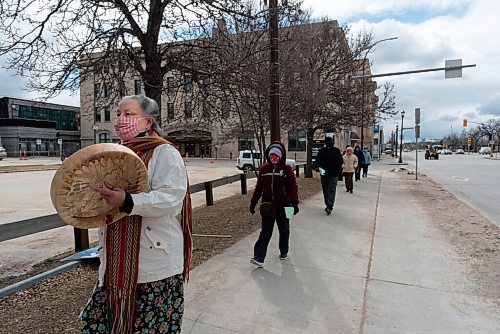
(284, 188)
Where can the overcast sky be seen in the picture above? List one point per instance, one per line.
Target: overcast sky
(428, 32)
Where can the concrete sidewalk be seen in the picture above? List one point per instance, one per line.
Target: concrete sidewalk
(368, 268)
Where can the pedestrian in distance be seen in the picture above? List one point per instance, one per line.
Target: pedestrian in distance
(349, 167)
(277, 189)
(329, 160)
(361, 161)
(367, 161)
(144, 256)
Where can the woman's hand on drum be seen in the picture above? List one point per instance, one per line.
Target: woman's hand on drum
(114, 196)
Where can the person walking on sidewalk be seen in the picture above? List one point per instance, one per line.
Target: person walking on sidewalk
(361, 162)
(367, 161)
(277, 186)
(329, 160)
(349, 166)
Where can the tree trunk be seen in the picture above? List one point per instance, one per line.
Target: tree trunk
(309, 167)
(153, 88)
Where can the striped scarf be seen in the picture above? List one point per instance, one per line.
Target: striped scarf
(122, 249)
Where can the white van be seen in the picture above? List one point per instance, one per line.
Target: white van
(246, 161)
(485, 150)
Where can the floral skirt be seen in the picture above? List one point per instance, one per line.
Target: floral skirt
(159, 307)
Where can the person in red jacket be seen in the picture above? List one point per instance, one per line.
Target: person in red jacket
(277, 186)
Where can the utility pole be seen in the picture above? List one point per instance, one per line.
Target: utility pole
(275, 77)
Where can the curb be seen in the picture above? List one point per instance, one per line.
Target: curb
(11, 289)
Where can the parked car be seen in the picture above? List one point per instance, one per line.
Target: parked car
(446, 151)
(246, 163)
(388, 151)
(485, 150)
(3, 153)
(459, 151)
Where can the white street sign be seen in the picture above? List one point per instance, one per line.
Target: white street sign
(59, 141)
(39, 142)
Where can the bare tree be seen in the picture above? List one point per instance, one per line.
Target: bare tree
(56, 44)
(317, 94)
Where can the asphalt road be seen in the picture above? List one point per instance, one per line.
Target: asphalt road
(472, 178)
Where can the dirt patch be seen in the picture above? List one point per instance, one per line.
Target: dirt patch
(475, 238)
(53, 305)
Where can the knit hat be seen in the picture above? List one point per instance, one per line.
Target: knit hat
(276, 150)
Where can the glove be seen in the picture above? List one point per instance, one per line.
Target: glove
(295, 209)
(252, 209)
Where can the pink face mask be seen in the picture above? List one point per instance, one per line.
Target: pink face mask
(127, 127)
(274, 159)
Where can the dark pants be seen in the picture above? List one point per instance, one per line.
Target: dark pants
(357, 173)
(260, 248)
(348, 181)
(365, 170)
(329, 185)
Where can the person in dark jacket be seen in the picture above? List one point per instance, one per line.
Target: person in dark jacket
(329, 160)
(277, 186)
(361, 161)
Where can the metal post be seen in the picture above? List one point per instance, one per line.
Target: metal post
(297, 171)
(416, 158)
(401, 147)
(275, 78)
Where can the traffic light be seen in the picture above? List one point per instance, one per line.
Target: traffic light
(469, 140)
(490, 136)
(465, 122)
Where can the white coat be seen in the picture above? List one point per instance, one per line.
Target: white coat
(161, 252)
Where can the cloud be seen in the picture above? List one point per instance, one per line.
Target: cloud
(449, 118)
(491, 107)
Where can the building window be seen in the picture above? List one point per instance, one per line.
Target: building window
(137, 87)
(97, 115)
(107, 90)
(97, 89)
(170, 85)
(104, 138)
(188, 83)
(123, 91)
(107, 114)
(170, 111)
(226, 109)
(188, 110)
(246, 144)
(206, 109)
(297, 140)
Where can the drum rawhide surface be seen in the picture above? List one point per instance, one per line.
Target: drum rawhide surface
(72, 190)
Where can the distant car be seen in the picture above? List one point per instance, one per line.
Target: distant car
(245, 162)
(406, 150)
(485, 150)
(459, 151)
(3, 153)
(388, 151)
(446, 151)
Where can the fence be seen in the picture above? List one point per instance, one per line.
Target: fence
(40, 224)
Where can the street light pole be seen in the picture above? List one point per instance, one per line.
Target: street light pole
(401, 147)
